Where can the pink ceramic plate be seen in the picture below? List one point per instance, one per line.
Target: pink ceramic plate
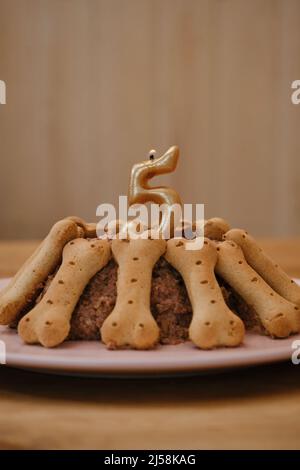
(91, 358)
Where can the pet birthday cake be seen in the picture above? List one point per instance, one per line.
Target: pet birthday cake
(139, 292)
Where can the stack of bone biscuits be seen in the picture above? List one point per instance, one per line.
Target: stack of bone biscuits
(138, 293)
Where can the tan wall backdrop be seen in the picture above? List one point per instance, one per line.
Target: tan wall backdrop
(92, 85)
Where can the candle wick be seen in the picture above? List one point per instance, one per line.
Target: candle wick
(152, 154)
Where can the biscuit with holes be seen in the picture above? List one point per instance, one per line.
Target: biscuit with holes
(131, 323)
(213, 323)
(48, 323)
(279, 317)
(42, 262)
(271, 272)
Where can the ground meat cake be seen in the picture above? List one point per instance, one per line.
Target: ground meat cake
(170, 304)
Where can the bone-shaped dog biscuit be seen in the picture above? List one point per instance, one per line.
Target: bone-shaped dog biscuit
(213, 323)
(265, 266)
(279, 316)
(215, 228)
(36, 269)
(131, 322)
(88, 228)
(48, 322)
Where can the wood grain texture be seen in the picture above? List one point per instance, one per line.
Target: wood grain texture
(92, 85)
(255, 408)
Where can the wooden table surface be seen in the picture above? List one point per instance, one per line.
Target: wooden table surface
(251, 408)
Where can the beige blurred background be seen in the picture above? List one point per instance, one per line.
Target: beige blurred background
(93, 85)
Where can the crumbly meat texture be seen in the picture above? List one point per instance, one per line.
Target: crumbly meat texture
(246, 312)
(170, 304)
(95, 304)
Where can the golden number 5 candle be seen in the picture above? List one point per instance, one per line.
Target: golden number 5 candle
(141, 192)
